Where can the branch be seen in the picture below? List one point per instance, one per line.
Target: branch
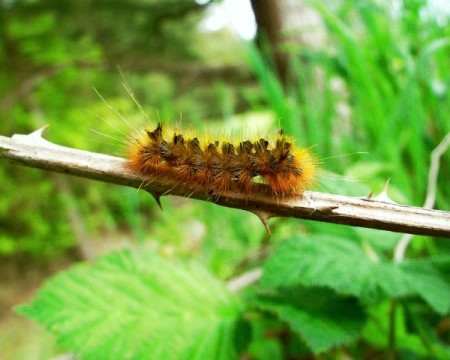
(400, 249)
(32, 150)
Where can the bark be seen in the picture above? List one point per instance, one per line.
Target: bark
(282, 22)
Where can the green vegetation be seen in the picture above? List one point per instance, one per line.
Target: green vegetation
(373, 102)
(143, 299)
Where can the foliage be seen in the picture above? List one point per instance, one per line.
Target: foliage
(325, 261)
(51, 50)
(322, 318)
(139, 305)
(378, 90)
(309, 284)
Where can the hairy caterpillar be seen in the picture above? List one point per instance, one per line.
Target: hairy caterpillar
(221, 165)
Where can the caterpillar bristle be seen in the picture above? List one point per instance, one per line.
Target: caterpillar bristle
(222, 166)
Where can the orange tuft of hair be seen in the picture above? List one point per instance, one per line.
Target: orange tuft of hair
(222, 166)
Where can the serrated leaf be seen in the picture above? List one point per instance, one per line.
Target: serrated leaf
(322, 319)
(344, 266)
(320, 261)
(139, 306)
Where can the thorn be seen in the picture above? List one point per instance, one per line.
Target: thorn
(264, 217)
(383, 196)
(38, 133)
(324, 210)
(157, 197)
(369, 195)
(327, 210)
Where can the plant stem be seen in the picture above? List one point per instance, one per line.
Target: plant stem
(391, 340)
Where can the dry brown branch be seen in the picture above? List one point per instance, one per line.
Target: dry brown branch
(33, 150)
(400, 249)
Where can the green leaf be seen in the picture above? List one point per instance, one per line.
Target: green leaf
(424, 280)
(269, 349)
(323, 319)
(441, 263)
(320, 261)
(139, 306)
(376, 331)
(344, 266)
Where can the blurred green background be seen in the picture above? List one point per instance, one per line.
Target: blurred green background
(365, 84)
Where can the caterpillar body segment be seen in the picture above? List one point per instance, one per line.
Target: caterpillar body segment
(226, 165)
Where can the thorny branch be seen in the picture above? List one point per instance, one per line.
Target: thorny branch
(32, 150)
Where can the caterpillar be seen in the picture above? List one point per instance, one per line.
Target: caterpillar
(273, 165)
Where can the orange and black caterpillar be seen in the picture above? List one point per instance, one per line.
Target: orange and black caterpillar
(222, 166)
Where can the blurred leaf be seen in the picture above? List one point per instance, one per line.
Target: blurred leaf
(267, 350)
(343, 265)
(264, 345)
(323, 319)
(424, 280)
(442, 264)
(376, 331)
(136, 306)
